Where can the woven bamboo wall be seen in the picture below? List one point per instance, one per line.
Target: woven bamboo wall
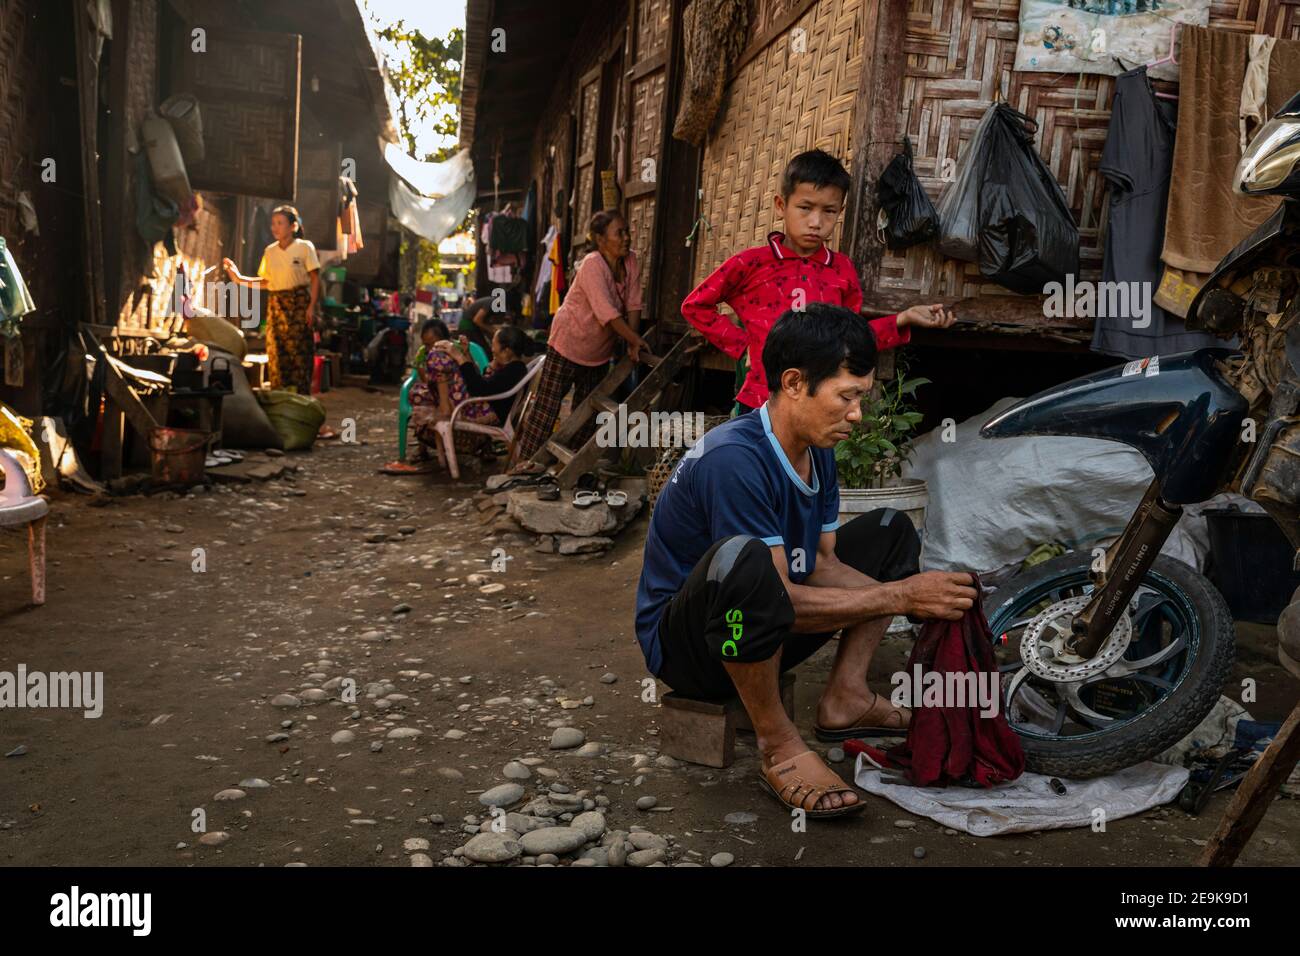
(780, 103)
(959, 55)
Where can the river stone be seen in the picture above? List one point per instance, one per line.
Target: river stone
(492, 848)
(741, 816)
(343, 737)
(590, 749)
(647, 841)
(230, 793)
(523, 823)
(402, 733)
(254, 783)
(559, 517)
(504, 795)
(646, 802)
(722, 859)
(285, 700)
(596, 856)
(557, 840)
(215, 838)
(314, 696)
(616, 854)
(592, 824)
(566, 738)
(515, 770)
(646, 857)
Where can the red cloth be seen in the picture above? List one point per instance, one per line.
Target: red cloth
(759, 284)
(947, 745)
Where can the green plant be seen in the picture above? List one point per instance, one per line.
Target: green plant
(882, 440)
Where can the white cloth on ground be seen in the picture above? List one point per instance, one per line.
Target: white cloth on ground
(1029, 803)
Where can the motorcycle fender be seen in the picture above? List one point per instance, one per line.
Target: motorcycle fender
(1177, 410)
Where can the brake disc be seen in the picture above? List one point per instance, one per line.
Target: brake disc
(1044, 644)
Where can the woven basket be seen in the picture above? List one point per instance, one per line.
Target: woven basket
(658, 474)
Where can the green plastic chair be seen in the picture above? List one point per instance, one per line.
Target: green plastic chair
(404, 397)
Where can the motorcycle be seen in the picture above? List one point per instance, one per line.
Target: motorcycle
(1108, 660)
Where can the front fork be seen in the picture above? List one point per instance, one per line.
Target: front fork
(1124, 565)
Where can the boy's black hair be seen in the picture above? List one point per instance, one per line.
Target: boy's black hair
(818, 342)
(818, 168)
(437, 325)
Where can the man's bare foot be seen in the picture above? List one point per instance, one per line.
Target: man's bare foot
(778, 750)
(842, 708)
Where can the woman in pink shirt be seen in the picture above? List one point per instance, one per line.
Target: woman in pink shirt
(603, 304)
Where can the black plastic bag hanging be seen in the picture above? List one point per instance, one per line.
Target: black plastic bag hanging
(907, 216)
(1027, 236)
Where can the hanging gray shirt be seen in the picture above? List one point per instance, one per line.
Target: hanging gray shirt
(1137, 161)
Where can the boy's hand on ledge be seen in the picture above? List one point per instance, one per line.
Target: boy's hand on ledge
(927, 317)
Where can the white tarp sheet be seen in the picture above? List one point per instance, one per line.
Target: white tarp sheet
(994, 500)
(441, 197)
(1029, 803)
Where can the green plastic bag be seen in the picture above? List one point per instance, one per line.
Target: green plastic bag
(297, 418)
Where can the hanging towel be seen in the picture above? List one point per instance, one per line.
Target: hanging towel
(1205, 219)
(1255, 88)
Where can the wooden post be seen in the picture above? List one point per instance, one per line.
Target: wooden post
(875, 121)
(36, 558)
(1254, 795)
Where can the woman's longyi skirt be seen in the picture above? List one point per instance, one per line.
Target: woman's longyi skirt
(290, 346)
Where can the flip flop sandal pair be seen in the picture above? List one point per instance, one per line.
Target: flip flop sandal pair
(891, 726)
(221, 457)
(523, 481)
(585, 499)
(801, 781)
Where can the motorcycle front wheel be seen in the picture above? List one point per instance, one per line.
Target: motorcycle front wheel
(1154, 679)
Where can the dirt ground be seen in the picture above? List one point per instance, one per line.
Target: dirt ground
(293, 595)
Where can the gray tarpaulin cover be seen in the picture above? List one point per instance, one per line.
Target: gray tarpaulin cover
(439, 194)
(994, 500)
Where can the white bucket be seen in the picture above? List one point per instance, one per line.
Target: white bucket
(908, 495)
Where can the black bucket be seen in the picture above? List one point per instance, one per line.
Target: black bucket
(1252, 564)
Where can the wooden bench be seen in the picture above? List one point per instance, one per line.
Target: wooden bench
(704, 731)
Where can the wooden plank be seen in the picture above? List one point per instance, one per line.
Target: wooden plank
(778, 27)
(560, 452)
(1254, 795)
(110, 441)
(88, 100)
(127, 400)
(884, 25)
(671, 264)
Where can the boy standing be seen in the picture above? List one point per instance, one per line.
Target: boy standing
(794, 268)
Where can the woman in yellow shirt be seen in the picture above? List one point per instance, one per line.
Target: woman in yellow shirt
(290, 272)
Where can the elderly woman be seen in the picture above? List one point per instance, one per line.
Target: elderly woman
(603, 305)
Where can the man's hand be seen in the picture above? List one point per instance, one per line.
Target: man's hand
(927, 317)
(945, 595)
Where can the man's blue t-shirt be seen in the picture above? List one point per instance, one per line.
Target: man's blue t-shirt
(735, 480)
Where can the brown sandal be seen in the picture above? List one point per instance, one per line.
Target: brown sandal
(803, 780)
(869, 723)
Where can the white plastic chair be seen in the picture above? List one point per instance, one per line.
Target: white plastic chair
(445, 446)
(18, 506)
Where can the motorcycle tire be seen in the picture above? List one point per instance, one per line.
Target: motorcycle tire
(1211, 639)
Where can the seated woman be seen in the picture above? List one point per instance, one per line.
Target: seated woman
(511, 349)
(440, 389)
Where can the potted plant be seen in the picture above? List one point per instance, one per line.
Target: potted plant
(870, 461)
